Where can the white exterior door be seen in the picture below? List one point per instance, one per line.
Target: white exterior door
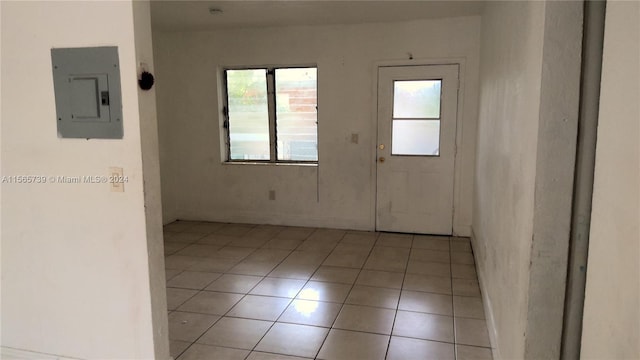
(417, 111)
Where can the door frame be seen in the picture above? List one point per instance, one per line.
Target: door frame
(457, 165)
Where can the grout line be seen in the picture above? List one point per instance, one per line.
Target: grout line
(348, 293)
(395, 316)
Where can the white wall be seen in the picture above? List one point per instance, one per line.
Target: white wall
(75, 276)
(197, 186)
(151, 179)
(611, 325)
(529, 93)
(510, 80)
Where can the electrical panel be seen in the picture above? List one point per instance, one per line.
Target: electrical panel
(87, 91)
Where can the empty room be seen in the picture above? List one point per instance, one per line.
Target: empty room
(320, 180)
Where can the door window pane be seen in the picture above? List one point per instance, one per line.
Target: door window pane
(248, 114)
(296, 114)
(416, 99)
(415, 137)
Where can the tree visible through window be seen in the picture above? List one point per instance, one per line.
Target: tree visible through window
(272, 114)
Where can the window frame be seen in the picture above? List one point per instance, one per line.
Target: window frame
(270, 79)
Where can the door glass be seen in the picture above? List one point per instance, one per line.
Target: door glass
(416, 118)
(416, 137)
(416, 99)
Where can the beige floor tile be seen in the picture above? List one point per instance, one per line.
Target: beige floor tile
(350, 259)
(235, 229)
(293, 339)
(264, 232)
(468, 307)
(193, 280)
(171, 248)
(309, 312)
(316, 244)
(213, 264)
(185, 237)
(430, 255)
(429, 242)
(429, 268)
(257, 355)
(177, 347)
(170, 273)
(293, 271)
(428, 283)
(259, 307)
(303, 257)
(465, 287)
(426, 302)
(234, 283)
(365, 318)
(236, 333)
(462, 258)
(295, 233)
(217, 239)
(200, 250)
(424, 326)
(189, 326)
(391, 253)
(377, 278)
(395, 240)
(207, 352)
(209, 302)
(401, 348)
(248, 242)
(324, 291)
(464, 352)
(363, 238)
(327, 235)
(178, 226)
(460, 244)
(335, 274)
(351, 345)
(178, 262)
(388, 259)
(256, 268)
(372, 296)
(280, 243)
(464, 271)
(177, 297)
(472, 332)
(268, 255)
(234, 252)
(205, 227)
(288, 288)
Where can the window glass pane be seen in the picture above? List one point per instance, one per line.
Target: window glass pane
(415, 137)
(416, 99)
(296, 114)
(248, 114)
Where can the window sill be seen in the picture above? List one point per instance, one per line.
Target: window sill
(260, 163)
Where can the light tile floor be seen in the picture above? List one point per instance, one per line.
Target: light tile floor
(238, 291)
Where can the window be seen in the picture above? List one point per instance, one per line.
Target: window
(271, 114)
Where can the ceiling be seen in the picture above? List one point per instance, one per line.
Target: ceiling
(185, 15)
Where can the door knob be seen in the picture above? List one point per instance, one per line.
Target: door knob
(381, 146)
(381, 159)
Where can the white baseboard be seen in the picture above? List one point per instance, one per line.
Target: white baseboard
(486, 302)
